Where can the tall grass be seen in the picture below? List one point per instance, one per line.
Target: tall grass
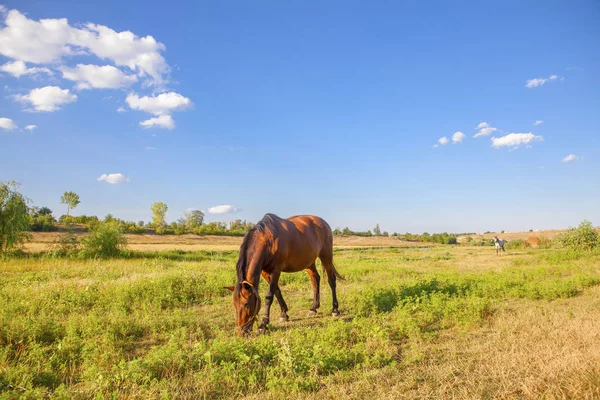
(162, 326)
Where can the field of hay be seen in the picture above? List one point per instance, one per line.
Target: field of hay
(42, 241)
(436, 322)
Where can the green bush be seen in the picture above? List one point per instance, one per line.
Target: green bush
(517, 244)
(105, 241)
(42, 223)
(14, 219)
(584, 237)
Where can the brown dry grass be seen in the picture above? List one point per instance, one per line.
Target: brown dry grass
(530, 350)
(41, 241)
(548, 234)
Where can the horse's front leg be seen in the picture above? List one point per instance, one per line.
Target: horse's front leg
(273, 287)
(283, 317)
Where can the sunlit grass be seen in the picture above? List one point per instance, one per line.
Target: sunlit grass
(161, 325)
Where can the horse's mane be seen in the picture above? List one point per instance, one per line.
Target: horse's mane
(267, 223)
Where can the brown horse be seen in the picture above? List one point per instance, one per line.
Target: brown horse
(277, 245)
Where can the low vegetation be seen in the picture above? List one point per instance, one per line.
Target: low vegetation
(415, 323)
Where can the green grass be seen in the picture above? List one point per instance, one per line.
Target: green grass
(161, 325)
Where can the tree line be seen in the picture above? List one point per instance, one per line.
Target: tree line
(17, 218)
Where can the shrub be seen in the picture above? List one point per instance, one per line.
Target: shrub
(67, 243)
(14, 219)
(533, 241)
(517, 244)
(42, 223)
(545, 243)
(584, 237)
(105, 241)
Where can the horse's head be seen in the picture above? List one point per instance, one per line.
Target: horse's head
(247, 306)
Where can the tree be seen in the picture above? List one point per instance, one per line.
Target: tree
(44, 211)
(71, 199)
(376, 230)
(159, 213)
(14, 216)
(193, 219)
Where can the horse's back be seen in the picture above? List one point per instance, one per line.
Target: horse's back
(301, 239)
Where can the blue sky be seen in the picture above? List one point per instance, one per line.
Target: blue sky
(328, 108)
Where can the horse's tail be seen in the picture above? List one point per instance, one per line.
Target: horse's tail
(337, 274)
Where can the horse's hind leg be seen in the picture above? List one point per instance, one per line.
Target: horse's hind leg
(284, 308)
(327, 260)
(316, 280)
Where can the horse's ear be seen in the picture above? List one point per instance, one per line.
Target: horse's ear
(232, 288)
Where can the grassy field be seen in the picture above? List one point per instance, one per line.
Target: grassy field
(442, 321)
(42, 241)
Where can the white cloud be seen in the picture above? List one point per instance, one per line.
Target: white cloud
(435, 146)
(538, 122)
(30, 127)
(484, 129)
(515, 140)
(162, 121)
(223, 209)
(19, 68)
(443, 140)
(121, 109)
(114, 179)
(51, 40)
(163, 104)
(48, 98)
(98, 77)
(458, 137)
(532, 83)
(570, 157)
(149, 148)
(8, 124)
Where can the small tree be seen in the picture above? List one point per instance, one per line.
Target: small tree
(159, 213)
(585, 237)
(105, 241)
(44, 211)
(377, 230)
(193, 219)
(71, 199)
(14, 218)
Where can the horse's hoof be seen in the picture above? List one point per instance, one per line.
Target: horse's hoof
(312, 313)
(284, 318)
(335, 313)
(262, 330)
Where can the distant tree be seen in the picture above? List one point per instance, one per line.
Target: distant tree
(14, 218)
(109, 218)
(44, 211)
(337, 232)
(346, 231)
(194, 219)
(385, 234)
(159, 213)
(41, 220)
(376, 230)
(71, 199)
(140, 224)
